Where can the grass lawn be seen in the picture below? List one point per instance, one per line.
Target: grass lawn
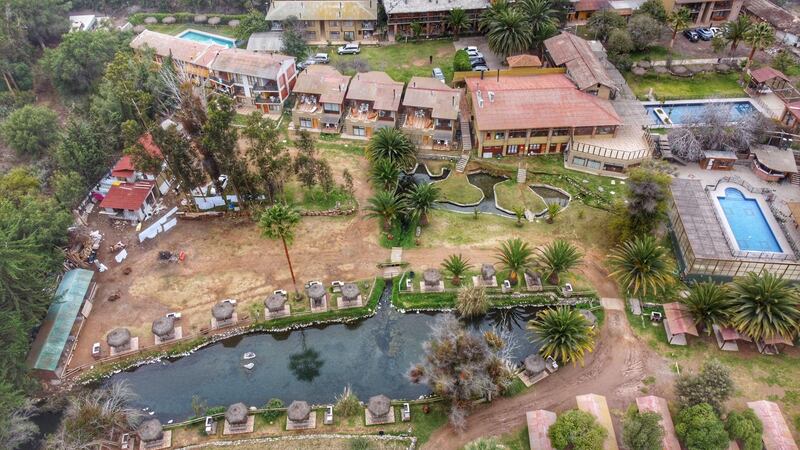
(511, 195)
(400, 61)
(669, 87)
(176, 28)
(457, 188)
(655, 53)
(517, 440)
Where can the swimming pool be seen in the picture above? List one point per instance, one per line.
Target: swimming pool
(748, 223)
(686, 112)
(207, 38)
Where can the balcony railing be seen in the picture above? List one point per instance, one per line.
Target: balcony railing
(268, 99)
(221, 81)
(368, 25)
(271, 87)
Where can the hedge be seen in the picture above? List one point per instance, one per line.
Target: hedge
(138, 18)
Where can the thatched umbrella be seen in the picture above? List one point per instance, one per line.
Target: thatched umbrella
(214, 21)
(150, 430)
(487, 272)
(316, 292)
(163, 326)
(275, 302)
(118, 337)
(379, 405)
(535, 364)
(432, 277)
(222, 311)
(236, 414)
(299, 411)
(200, 18)
(150, 20)
(350, 292)
(168, 20)
(589, 316)
(233, 23)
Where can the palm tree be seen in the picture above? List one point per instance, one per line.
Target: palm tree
(764, 306)
(492, 13)
(457, 21)
(457, 265)
(392, 144)
(760, 36)
(556, 258)
(553, 209)
(279, 222)
(735, 30)
(515, 256)
(386, 206)
(564, 334)
(508, 31)
(385, 174)
(519, 211)
(640, 265)
(421, 199)
(708, 303)
(542, 18)
(472, 301)
(678, 21)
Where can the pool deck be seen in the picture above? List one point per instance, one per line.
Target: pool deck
(703, 101)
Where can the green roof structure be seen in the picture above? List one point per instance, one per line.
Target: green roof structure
(49, 344)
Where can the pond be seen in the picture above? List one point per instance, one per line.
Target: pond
(551, 195)
(314, 364)
(485, 182)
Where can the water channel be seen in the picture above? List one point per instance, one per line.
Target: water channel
(314, 364)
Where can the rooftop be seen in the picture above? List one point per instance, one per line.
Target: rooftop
(181, 49)
(776, 16)
(696, 212)
(323, 10)
(523, 61)
(651, 403)
(261, 65)
(582, 64)
(411, 6)
(123, 168)
(767, 73)
(429, 93)
(597, 406)
(322, 80)
(536, 101)
(267, 41)
(539, 423)
(376, 87)
(679, 319)
(127, 196)
(775, 158)
(777, 435)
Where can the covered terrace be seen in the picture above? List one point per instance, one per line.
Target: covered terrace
(678, 323)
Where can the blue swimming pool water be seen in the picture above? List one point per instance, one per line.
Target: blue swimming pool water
(686, 112)
(207, 38)
(747, 221)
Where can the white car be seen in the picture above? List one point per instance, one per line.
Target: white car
(349, 49)
(471, 48)
(716, 31)
(174, 315)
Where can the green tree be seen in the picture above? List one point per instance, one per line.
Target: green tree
(760, 36)
(253, 22)
(576, 430)
(677, 21)
(783, 61)
(43, 21)
(219, 139)
(392, 144)
(292, 42)
(457, 266)
(515, 256)
(619, 42)
(642, 430)
(279, 222)
(654, 9)
(641, 266)
(644, 30)
(267, 155)
(735, 31)
(461, 61)
(416, 29)
(385, 174)
(17, 428)
(84, 150)
(542, 18)
(472, 301)
(69, 188)
(712, 386)
(180, 157)
(602, 22)
(708, 304)
(420, 200)
(553, 210)
(457, 21)
(508, 31)
(556, 258)
(386, 206)
(564, 333)
(745, 428)
(764, 306)
(31, 130)
(699, 428)
(80, 59)
(718, 43)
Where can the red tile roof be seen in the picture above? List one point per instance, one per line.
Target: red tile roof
(536, 101)
(591, 5)
(679, 319)
(767, 73)
(127, 196)
(539, 423)
(123, 168)
(146, 141)
(651, 403)
(524, 61)
(777, 435)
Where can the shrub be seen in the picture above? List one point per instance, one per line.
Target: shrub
(274, 404)
(577, 430)
(712, 386)
(619, 42)
(30, 130)
(461, 61)
(698, 427)
(347, 404)
(642, 431)
(746, 428)
(138, 18)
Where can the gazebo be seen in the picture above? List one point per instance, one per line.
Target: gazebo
(535, 364)
(771, 163)
(351, 296)
(222, 314)
(150, 431)
(318, 296)
(120, 341)
(432, 281)
(300, 416)
(589, 316)
(276, 306)
(237, 420)
(163, 328)
(379, 410)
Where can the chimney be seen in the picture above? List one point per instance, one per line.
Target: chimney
(394, 93)
(480, 99)
(498, 75)
(491, 96)
(414, 84)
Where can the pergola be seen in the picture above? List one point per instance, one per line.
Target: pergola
(767, 78)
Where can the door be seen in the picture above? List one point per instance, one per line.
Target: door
(315, 123)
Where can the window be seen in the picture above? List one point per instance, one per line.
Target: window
(613, 167)
(359, 131)
(499, 135)
(553, 147)
(275, 108)
(605, 130)
(540, 132)
(331, 107)
(305, 123)
(583, 131)
(442, 123)
(335, 35)
(333, 23)
(513, 149)
(518, 134)
(349, 35)
(534, 149)
(560, 131)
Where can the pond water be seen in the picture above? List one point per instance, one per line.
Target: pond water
(314, 364)
(485, 182)
(550, 195)
(421, 175)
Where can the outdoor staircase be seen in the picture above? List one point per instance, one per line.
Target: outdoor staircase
(522, 174)
(795, 179)
(466, 134)
(461, 165)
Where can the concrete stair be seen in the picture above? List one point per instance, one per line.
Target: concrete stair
(466, 134)
(795, 179)
(461, 165)
(522, 174)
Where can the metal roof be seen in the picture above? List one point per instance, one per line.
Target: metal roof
(597, 406)
(777, 435)
(696, 213)
(679, 319)
(127, 196)
(412, 6)
(576, 54)
(539, 423)
(244, 62)
(775, 158)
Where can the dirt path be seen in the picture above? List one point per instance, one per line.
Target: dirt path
(616, 369)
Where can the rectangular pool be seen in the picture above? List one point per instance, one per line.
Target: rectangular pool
(682, 113)
(207, 38)
(747, 222)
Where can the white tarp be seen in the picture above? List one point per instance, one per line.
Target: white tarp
(205, 203)
(159, 226)
(119, 257)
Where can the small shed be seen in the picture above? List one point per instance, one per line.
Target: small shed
(678, 323)
(236, 414)
(539, 423)
(597, 406)
(275, 303)
(718, 160)
(298, 411)
(317, 294)
(771, 163)
(150, 431)
(129, 201)
(658, 405)
(727, 338)
(535, 364)
(222, 314)
(777, 435)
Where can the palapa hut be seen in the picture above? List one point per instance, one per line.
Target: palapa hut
(487, 277)
(432, 281)
(222, 314)
(379, 410)
(119, 339)
(589, 316)
(350, 292)
(164, 328)
(276, 305)
(150, 431)
(535, 364)
(237, 420)
(317, 294)
(300, 416)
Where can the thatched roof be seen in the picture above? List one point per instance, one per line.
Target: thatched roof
(535, 363)
(432, 276)
(350, 291)
(275, 302)
(118, 337)
(316, 291)
(222, 311)
(150, 430)
(214, 21)
(298, 411)
(379, 405)
(236, 413)
(163, 326)
(589, 316)
(487, 271)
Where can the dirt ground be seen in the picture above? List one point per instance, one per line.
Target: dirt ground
(313, 444)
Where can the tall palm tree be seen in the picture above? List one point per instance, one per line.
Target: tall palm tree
(385, 174)
(760, 36)
(508, 32)
(392, 144)
(279, 222)
(640, 265)
(457, 266)
(709, 304)
(556, 258)
(515, 256)
(542, 18)
(492, 13)
(385, 206)
(457, 21)
(564, 334)
(764, 306)
(421, 199)
(678, 21)
(735, 30)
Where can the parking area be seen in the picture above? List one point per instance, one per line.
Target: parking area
(493, 61)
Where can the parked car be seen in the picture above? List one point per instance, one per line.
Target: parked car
(349, 49)
(471, 48)
(475, 54)
(716, 31)
(480, 68)
(705, 34)
(691, 35)
(321, 58)
(477, 62)
(438, 74)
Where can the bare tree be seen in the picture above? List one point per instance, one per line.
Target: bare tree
(684, 145)
(17, 427)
